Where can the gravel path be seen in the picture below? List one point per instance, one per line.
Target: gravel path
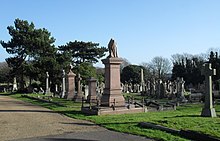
(21, 120)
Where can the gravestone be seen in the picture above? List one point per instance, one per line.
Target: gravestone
(126, 88)
(138, 88)
(112, 92)
(70, 85)
(79, 95)
(86, 91)
(92, 97)
(208, 110)
(142, 80)
(163, 90)
(63, 85)
(135, 88)
(158, 88)
(47, 83)
(181, 90)
(56, 88)
(152, 87)
(102, 86)
(130, 88)
(147, 86)
(15, 86)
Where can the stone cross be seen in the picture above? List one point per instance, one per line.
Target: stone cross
(78, 96)
(181, 89)
(208, 110)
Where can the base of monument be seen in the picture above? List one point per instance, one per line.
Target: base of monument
(77, 98)
(208, 112)
(110, 100)
(110, 110)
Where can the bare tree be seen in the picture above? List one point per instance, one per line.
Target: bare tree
(160, 66)
(181, 58)
(125, 63)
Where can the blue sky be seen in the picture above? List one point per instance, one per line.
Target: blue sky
(142, 29)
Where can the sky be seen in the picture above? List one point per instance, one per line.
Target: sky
(143, 29)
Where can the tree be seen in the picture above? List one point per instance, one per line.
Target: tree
(148, 74)
(100, 74)
(188, 68)
(180, 58)
(32, 49)
(86, 70)
(84, 51)
(20, 46)
(124, 64)
(4, 73)
(160, 67)
(131, 74)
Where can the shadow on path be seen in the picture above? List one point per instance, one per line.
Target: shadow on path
(29, 111)
(63, 139)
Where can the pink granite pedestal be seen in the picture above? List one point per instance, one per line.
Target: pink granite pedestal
(112, 92)
(70, 85)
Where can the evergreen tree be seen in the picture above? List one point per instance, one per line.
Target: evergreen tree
(32, 49)
(84, 51)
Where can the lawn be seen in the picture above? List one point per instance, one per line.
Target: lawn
(186, 117)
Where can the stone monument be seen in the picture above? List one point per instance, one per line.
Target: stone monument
(63, 84)
(70, 85)
(208, 110)
(92, 97)
(47, 83)
(112, 92)
(79, 95)
(142, 80)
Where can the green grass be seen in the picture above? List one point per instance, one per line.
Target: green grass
(185, 117)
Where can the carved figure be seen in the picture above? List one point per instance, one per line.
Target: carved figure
(112, 48)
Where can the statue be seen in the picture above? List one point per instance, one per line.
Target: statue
(112, 49)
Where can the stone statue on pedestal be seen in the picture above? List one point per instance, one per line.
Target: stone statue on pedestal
(112, 49)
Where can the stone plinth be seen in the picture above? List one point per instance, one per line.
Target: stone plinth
(70, 85)
(112, 92)
(92, 97)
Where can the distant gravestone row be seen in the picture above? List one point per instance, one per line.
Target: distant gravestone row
(157, 89)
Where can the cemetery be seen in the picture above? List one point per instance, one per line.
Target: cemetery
(130, 100)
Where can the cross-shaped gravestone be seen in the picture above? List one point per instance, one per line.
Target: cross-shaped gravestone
(208, 110)
(78, 96)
